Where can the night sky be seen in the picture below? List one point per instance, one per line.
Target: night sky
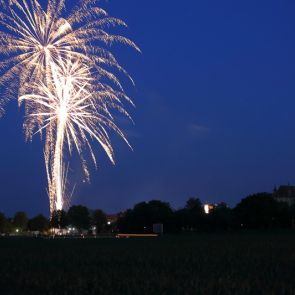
(215, 105)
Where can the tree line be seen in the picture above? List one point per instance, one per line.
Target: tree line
(258, 211)
(78, 217)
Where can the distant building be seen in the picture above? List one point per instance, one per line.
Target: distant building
(208, 208)
(285, 193)
(158, 228)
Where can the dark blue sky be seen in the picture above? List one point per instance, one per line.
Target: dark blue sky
(215, 97)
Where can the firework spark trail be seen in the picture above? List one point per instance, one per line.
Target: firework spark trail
(31, 38)
(56, 65)
(71, 112)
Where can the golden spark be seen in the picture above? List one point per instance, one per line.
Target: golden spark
(31, 38)
(62, 68)
(71, 111)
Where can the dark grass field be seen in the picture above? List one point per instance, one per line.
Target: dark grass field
(248, 263)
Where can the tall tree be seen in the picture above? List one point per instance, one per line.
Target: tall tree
(39, 223)
(20, 221)
(194, 204)
(79, 217)
(258, 211)
(59, 219)
(99, 220)
(3, 222)
(143, 215)
(220, 218)
(195, 215)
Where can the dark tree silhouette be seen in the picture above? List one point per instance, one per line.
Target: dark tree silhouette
(260, 211)
(20, 221)
(194, 204)
(257, 211)
(39, 223)
(59, 219)
(181, 220)
(79, 217)
(142, 217)
(220, 218)
(195, 214)
(292, 215)
(99, 220)
(3, 222)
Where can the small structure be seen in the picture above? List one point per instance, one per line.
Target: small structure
(285, 193)
(158, 228)
(208, 208)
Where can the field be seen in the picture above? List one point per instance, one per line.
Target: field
(248, 263)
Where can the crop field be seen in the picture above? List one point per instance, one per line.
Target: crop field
(248, 263)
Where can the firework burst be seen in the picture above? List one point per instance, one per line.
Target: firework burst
(60, 67)
(72, 112)
(31, 38)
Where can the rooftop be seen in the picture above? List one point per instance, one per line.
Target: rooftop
(285, 191)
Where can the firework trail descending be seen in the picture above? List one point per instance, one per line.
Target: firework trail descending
(71, 111)
(63, 73)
